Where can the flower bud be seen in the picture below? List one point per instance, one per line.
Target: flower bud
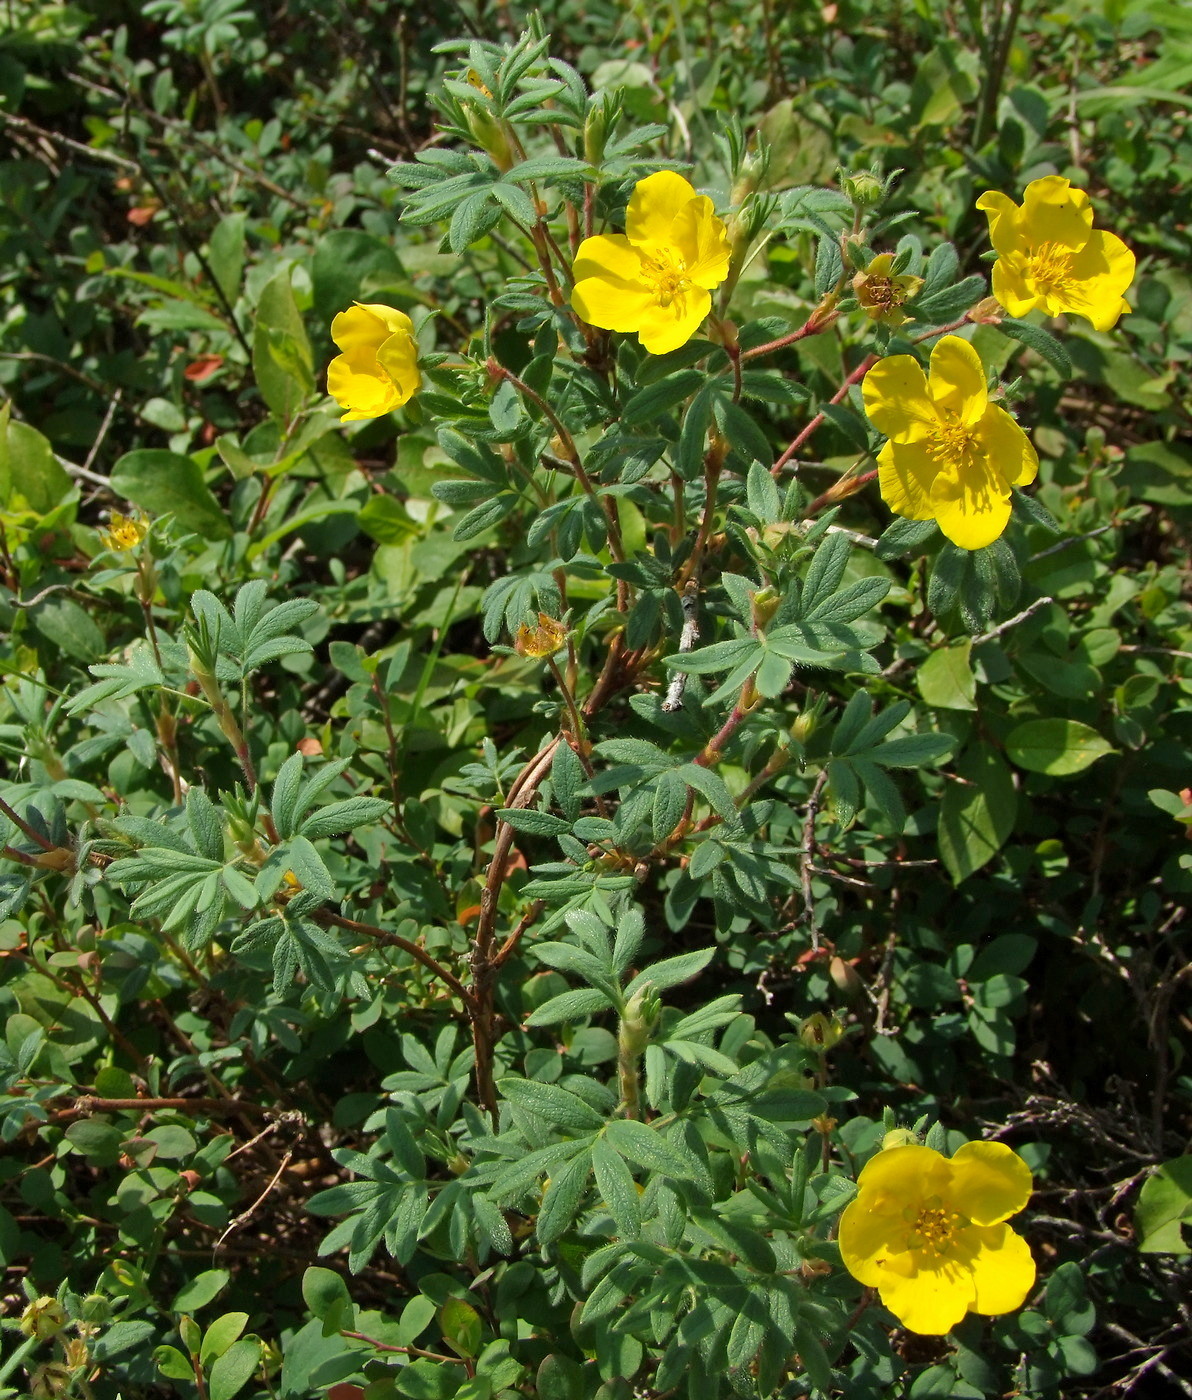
(804, 727)
(96, 1308)
(899, 1137)
(43, 1318)
(639, 1019)
(597, 125)
(863, 188)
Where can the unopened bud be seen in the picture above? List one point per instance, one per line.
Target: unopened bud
(804, 727)
(43, 1318)
(96, 1308)
(863, 188)
(899, 1137)
(596, 127)
(763, 605)
(639, 1020)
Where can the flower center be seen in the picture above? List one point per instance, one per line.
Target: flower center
(667, 274)
(952, 443)
(933, 1226)
(1050, 266)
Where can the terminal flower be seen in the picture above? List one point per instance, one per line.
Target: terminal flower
(1051, 257)
(378, 370)
(952, 456)
(124, 532)
(655, 278)
(928, 1233)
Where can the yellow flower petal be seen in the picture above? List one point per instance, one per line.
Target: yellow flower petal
(393, 320)
(905, 472)
(362, 393)
(1005, 231)
(609, 255)
(927, 1294)
(702, 241)
(357, 328)
(990, 1182)
(654, 206)
(1013, 289)
(870, 1228)
(1054, 211)
(1003, 1270)
(665, 328)
(971, 504)
(896, 399)
(609, 291)
(957, 380)
(398, 357)
(1104, 269)
(1004, 442)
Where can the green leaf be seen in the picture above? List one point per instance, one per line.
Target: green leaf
(977, 814)
(173, 1365)
(221, 1334)
(672, 971)
(649, 404)
(29, 471)
(459, 1323)
(1039, 340)
(347, 262)
(1060, 747)
(386, 520)
(281, 354)
(234, 1369)
(165, 483)
(569, 1006)
(648, 1148)
(558, 1106)
(1164, 1207)
(616, 1185)
(535, 822)
(563, 1198)
(225, 253)
(946, 678)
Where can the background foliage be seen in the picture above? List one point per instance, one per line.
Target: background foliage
(291, 835)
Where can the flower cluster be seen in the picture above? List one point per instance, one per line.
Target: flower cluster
(952, 456)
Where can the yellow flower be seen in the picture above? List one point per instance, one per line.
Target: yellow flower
(952, 455)
(1050, 257)
(378, 370)
(654, 278)
(124, 532)
(883, 295)
(927, 1232)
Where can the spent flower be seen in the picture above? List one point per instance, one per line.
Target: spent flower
(1051, 258)
(883, 293)
(929, 1233)
(655, 279)
(378, 369)
(952, 456)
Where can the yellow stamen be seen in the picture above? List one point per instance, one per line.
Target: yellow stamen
(933, 1227)
(668, 274)
(952, 443)
(1050, 265)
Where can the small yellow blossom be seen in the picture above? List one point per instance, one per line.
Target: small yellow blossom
(543, 640)
(883, 294)
(123, 532)
(928, 1233)
(655, 278)
(952, 455)
(378, 370)
(1051, 257)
